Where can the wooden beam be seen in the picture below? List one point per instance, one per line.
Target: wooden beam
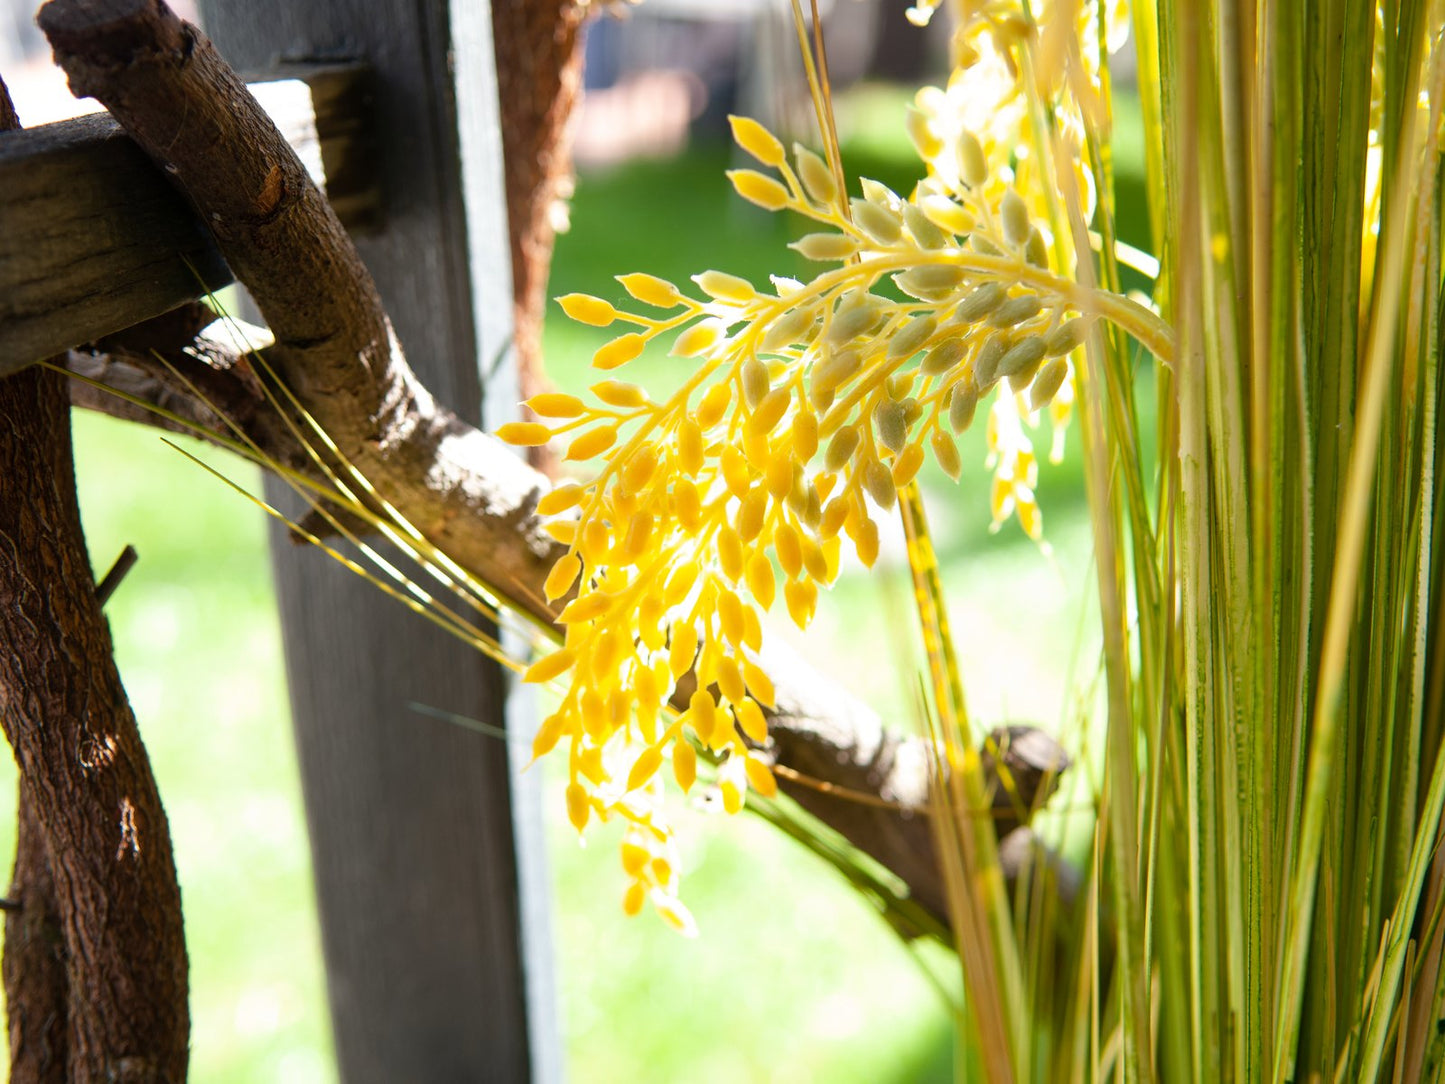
(426, 844)
(93, 239)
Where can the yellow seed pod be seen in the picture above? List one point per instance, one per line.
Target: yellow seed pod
(590, 766)
(760, 580)
(752, 629)
(908, 339)
(562, 577)
(760, 686)
(651, 290)
(524, 434)
(585, 609)
(832, 553)
(757, 449)
(649, 623)
(679, 584)
(725, 287)
(644, 767)
(586, 309)
(593, 442)
(752, 721)
(619, 351)
(554, 404)
(865, 542)
(757, 140)
(736, 472)
(638, 470)
(578, 807)
(890, 424)
(1015, 216)
(633, 899)
(979, 303)
(833, 516)
(1047, 383)
(730, 617)
(760, 776)
(759, 188)
(945, 451)
(595, 542)
(662, 871)
(825, 247)
(568, 495)
(905, 467)
(836, 369)
(689, 446)
(921, 133)
(771, 410)
(671, 910)
(702, 709)
(683, 650)
(878, 481)
(817, 178)
(924, 231)
(714, 405)
(594, 714)
(788, 328)
(1030, 519)
(697, 339)
(734, 795)
(635, 857)
(634, 542)
(972, 166)
(813, 560)
(1023, 356)
(730, 681)
(755, 381)
(881, 225)
(548, 734)
(1064, 338)
(802, 598)
(686, 504)
(751, 514)
(962, 405)
(618, 393)
(805, 435)
(606, 653)
(562, 530)
(1036, 252)
(789, 549)
(730, 553)
(779, 476)
(1015, 311)
(841, 449)
(549, 666)
(943, 357)
(946, 214)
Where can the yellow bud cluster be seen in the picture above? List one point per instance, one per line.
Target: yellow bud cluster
(807, 410)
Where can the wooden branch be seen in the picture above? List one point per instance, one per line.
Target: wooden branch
(98, 825)
(471, 495)
(93, 239)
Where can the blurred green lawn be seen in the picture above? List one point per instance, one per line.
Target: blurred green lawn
(793, 979)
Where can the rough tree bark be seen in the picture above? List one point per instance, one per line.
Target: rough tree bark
(539, 77)
(88, 785)
(95, 961)
(91, 820)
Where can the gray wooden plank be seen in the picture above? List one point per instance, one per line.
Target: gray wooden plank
(94, 240)
(411, 819)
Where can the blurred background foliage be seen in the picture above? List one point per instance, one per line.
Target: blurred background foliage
(792, 979)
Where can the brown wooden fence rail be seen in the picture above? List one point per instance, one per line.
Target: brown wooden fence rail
(427, 848)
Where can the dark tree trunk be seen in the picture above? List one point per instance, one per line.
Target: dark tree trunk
(34, 966)
(539, 75)
(95, 957)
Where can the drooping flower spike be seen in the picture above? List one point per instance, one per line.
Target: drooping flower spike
(809, 407)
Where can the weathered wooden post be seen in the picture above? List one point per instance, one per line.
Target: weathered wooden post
(427, 848)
